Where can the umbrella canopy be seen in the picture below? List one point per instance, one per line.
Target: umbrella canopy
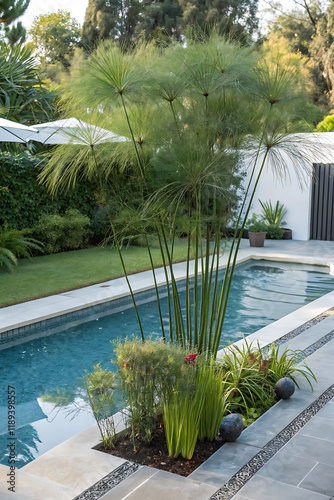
(15, 132)
(72, 130)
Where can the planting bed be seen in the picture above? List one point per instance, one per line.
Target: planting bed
(156, 454)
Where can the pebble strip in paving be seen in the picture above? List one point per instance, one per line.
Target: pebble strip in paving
(108, 482)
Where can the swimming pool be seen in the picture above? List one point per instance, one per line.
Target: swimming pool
(49, 370)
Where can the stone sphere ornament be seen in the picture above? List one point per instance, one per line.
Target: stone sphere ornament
(284, 388)
(231, 427)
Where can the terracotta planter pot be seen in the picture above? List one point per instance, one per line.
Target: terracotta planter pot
(287, 235)
(256, 239)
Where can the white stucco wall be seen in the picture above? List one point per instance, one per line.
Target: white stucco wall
(297, 199)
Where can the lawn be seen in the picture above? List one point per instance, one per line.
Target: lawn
(50, 274)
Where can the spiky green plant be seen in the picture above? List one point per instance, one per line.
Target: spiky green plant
(273, 215)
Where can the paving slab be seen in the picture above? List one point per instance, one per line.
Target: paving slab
(131, 484)
(32, 487)
(320, 479)
(285, 468)
(166, 486)
(263, 488)
(224, 463)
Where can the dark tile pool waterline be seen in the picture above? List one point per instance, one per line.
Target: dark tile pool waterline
(49, 370)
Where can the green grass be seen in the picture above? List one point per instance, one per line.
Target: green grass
(51, 274)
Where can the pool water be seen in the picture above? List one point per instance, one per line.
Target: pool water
(47, 373)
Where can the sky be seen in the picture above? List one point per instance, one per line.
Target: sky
(77, 8)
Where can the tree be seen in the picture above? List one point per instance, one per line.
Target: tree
(126, 20)
(15, 34)
(55, 37)
(106, 19)
(12, 9)
(322, 49)
(231, 15)
(186, 112)
(9, 11)
(299, 27)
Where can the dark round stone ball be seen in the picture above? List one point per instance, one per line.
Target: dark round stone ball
(231, 427)
(284, 388)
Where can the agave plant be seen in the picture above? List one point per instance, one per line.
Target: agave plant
(273, 215)
(216, 100)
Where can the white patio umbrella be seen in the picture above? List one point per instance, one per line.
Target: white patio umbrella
(72, 130)
(15, 132)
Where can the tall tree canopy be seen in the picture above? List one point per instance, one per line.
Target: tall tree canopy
(305, 29)
(55, 37)
(10, 10)
(322, 49)
(128, 19)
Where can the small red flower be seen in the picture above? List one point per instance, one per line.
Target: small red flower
(126, 364)
(190, 359)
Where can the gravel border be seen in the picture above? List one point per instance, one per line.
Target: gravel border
(108, 482)
(300, 329)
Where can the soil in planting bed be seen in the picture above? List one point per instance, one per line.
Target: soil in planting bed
(156, 454)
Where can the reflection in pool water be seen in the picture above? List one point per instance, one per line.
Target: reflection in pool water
(47, 373)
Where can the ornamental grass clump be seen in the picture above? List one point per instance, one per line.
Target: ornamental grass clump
(285, 362)
(182, 410)
(100, 389)
(215, 402)
(246, 381)
(148, 372)
(250, 375)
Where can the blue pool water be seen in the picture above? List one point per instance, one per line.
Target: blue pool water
(47, 373)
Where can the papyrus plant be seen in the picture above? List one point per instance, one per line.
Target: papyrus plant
(208, 102)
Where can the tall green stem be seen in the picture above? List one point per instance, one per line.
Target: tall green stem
(133, 139)
(222, 316)
(175, 120)
(117, 244)
(156, 288)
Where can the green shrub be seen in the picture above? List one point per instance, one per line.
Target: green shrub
(148, 372)
(256, 225)
(273, 215)
(274, 232)
(100, 392)
(59, 233)
(23, 200)
(326, 125)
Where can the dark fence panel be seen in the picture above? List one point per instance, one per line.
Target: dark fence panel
(322, 208)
